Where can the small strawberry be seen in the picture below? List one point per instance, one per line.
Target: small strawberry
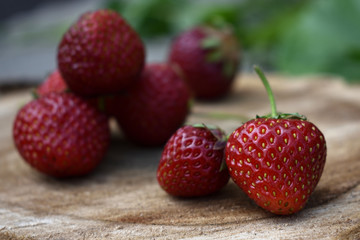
(155, 107)
(209, 58)
(53, 83)
(100, 54)
(61, 135)
(277, 159)
(192, 162)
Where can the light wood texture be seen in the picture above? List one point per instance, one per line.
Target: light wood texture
(122, 200)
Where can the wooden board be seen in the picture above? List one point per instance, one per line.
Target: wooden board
(122, 200)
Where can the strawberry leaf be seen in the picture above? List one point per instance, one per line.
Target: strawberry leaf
(214, 56)
(210, 42)
(228, 69)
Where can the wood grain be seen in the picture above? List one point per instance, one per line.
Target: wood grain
(122, 200)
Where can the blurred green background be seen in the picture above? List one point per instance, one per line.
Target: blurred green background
(290, 36)
(294, 37)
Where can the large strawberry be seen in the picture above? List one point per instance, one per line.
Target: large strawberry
(100, 54)
(61, 135)
(209, 58)
(155, 107)
(277, 159)
(192, 162)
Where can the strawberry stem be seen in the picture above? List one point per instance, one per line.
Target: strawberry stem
(260, 73)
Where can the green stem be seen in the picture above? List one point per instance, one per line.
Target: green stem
(260, 73)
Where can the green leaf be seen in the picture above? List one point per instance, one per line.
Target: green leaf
(116, 5)
(229, 68)
(214, 56)
(324, 38)
(150, 18)
(210, 42)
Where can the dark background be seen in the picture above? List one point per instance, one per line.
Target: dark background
(11, 8)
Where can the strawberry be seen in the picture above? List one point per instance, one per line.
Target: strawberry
(209, 58)
(61, 135)
(100, 54)
(56, 83)
(277, 159)
(155, 107)
(53, 83)
(192, 162)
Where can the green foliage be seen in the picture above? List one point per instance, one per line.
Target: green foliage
(323, 38)
(292, 36)
(151, 18)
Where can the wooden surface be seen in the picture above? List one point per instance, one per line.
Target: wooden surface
(122, 200)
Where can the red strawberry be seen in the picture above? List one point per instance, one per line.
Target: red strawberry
(61, 135)
(192, 162)
(277, 160)
(209, 58)
(56, 83)
(53, 83)
(100, 54)
(155, 107)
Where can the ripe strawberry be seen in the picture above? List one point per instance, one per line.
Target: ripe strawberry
(53, 83)
(61, 135)
(192, 162)
(209, 58)
(56, 83)
(277, 160)
(100, 54)
(151, 111)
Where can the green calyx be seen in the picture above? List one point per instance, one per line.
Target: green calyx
(222, 47)
(284, 116)
(210, 43)
(274, 113)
